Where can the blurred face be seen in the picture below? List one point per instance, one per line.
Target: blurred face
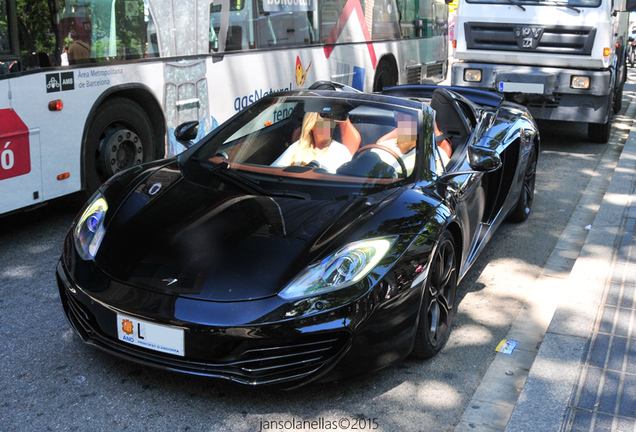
(322, 131)
(407, 132)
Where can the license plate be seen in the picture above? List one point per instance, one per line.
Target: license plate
(521, 87)
(156, 337)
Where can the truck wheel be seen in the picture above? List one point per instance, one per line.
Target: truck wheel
(385, 76)
(119, 137)
(600, 132)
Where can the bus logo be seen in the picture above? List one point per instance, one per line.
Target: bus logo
(52, 83)
(56, 82)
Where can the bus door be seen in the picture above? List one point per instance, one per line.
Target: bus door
(20, 170)
(185, 85)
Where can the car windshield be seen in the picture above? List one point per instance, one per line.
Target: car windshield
(304, 143)
(562, 3)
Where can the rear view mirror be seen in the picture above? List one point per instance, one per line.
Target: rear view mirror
(483, 159)
(186, 132)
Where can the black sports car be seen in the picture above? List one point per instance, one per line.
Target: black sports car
(240, 259)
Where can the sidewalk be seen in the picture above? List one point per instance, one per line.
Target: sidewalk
(584, 375)
(574, 368)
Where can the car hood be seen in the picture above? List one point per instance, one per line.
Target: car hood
(219, 243)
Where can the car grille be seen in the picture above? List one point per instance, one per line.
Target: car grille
(257, 361)
(546, 39)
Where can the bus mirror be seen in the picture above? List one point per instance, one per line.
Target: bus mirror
(630, 6)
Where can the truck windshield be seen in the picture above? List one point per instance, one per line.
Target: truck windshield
(563, 3)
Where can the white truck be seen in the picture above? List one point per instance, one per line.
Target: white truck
(563, 59)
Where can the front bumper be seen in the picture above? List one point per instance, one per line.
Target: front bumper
(556, 101)
(290, 353)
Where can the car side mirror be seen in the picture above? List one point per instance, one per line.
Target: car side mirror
(186, 132)
(483, 159)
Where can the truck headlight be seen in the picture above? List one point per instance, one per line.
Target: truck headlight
(580, 82)
(472, 75)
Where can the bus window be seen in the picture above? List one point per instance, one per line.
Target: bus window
(422, 18)
(239, 35)
(90, 31)
(5, 41)
(283, 25)
(380, 17)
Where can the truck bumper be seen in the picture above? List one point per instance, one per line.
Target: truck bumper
(545, 91)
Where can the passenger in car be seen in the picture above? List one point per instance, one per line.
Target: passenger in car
(402, 140)
(315, 144)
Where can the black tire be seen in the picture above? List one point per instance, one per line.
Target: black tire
(618, 96)
(119, 137)
(600, 132)
(438, 301)
(385, 76)
(526, 196)
(632, 57)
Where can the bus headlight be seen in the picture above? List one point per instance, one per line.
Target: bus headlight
(472, 75)
(580, 82)
(89, 231)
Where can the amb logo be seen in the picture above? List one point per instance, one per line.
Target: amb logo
(60, 82)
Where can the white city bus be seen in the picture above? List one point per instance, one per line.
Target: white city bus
(88, 88)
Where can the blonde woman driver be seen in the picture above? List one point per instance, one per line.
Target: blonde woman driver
(315, 144)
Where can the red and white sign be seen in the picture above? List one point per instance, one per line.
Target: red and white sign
(15, 154)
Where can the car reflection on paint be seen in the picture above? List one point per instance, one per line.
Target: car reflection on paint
(222, 262)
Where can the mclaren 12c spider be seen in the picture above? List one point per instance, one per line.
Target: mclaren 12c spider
(315, 235)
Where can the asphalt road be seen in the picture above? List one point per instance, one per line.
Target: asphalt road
(49, 380)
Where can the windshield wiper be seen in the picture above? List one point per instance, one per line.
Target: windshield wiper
(513, 2)
(223, 170)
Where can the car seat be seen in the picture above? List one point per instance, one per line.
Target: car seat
(349, 136)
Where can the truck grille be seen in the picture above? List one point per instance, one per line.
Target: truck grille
(531, 38)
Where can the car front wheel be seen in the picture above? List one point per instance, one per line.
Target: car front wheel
(438, 302)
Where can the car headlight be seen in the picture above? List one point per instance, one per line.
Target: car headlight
(339, 270)
(89, 231)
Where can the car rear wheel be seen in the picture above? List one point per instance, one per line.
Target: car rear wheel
(438, 302)
(524, 204)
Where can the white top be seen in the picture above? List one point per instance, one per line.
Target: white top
(336, 155)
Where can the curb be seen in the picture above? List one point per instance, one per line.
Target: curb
(529, 390)
(544, 401)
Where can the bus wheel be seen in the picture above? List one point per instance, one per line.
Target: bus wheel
(385, 76)
(119, 137)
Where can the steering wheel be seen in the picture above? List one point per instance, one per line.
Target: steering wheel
(389, 151)
(314, 164)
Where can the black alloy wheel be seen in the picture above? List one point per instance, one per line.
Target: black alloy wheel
(524, 204)
(438, 302)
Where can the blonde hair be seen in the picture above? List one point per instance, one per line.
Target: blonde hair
(307, 150)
